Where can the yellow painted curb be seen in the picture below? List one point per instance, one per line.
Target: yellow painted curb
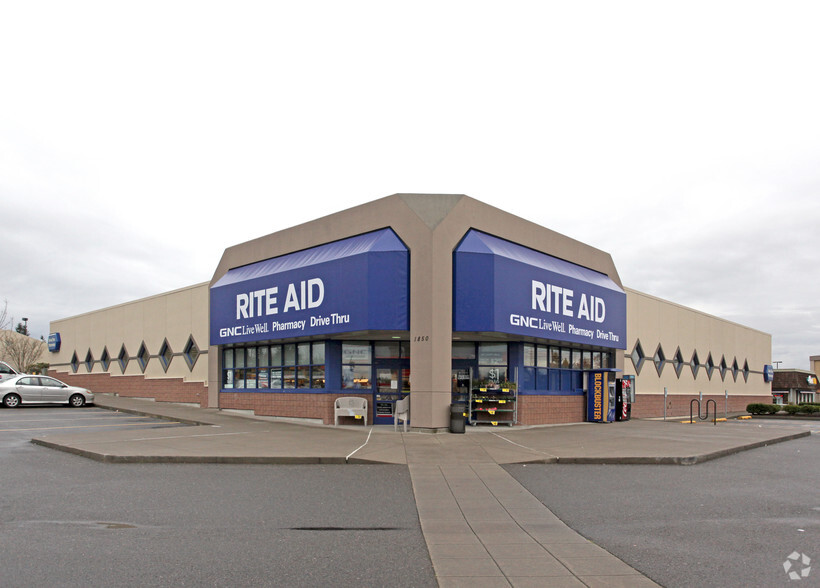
(743, 418)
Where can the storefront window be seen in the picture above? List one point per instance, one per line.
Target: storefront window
(492, 364)
(302, 376)
(356, 365)
(303, 354)
(462, 350)
(319, 354)
(492, 354)
(290, 354)
(542, 356)
(387, 350)
(529, 355)
(356, 377)
(276, 378)
(565, 359)
(317, 376)
(227, 374)
(282, 367)
(356, 353)
(289, 378)
(317, 369)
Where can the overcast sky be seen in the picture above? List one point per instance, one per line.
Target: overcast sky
(138, 140)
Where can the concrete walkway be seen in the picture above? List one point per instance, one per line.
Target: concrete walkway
(481, 526)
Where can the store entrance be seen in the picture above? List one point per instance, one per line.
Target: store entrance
(391, 383)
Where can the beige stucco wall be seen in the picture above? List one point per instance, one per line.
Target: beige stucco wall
(431, 225)
(654, 321)
(174, 316)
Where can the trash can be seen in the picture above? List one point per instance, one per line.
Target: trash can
(457, 418)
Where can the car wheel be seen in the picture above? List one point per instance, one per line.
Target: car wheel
(76, 400)
(11, 401)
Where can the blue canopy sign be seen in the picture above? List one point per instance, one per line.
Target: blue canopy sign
(504, 287)
(360, 283)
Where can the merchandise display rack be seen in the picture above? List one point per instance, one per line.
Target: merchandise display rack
(493, 406)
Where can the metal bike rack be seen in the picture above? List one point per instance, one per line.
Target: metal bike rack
(706, 416)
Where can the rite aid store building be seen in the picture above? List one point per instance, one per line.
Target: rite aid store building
(439, 297)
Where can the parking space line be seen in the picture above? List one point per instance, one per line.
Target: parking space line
(190, 436)
(87, 418)
(91, 426)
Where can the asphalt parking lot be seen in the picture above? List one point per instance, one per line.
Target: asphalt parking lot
(19, 425)
(69, 521)
(729, 522)
(732, 521)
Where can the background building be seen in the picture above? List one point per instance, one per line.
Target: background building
(794, 386)
(427, 295)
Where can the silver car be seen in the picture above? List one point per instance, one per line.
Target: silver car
(7, 372)
(41, 389)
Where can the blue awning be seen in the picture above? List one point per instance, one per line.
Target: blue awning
(360, 283)
(383, 240)
(501, 286)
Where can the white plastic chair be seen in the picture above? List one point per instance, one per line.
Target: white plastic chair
(350, 406)
(402, 413)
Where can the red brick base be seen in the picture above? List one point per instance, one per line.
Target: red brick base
(164, 390)
(551, 410)
(532, 410)
(291, 405)
(651, 405)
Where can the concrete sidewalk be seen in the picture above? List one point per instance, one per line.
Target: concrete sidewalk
(481, 526)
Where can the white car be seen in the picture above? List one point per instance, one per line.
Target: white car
(41, 390)
(7, 372)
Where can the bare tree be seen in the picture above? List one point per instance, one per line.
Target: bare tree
(19, 350)
(5, 320)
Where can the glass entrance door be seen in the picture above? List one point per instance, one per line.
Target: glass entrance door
(391, 383)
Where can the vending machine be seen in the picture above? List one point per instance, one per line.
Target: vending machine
(624, 397)
(601, 396)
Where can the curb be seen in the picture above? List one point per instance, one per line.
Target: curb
(191, 459)
(155, 415)
(689, 460)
